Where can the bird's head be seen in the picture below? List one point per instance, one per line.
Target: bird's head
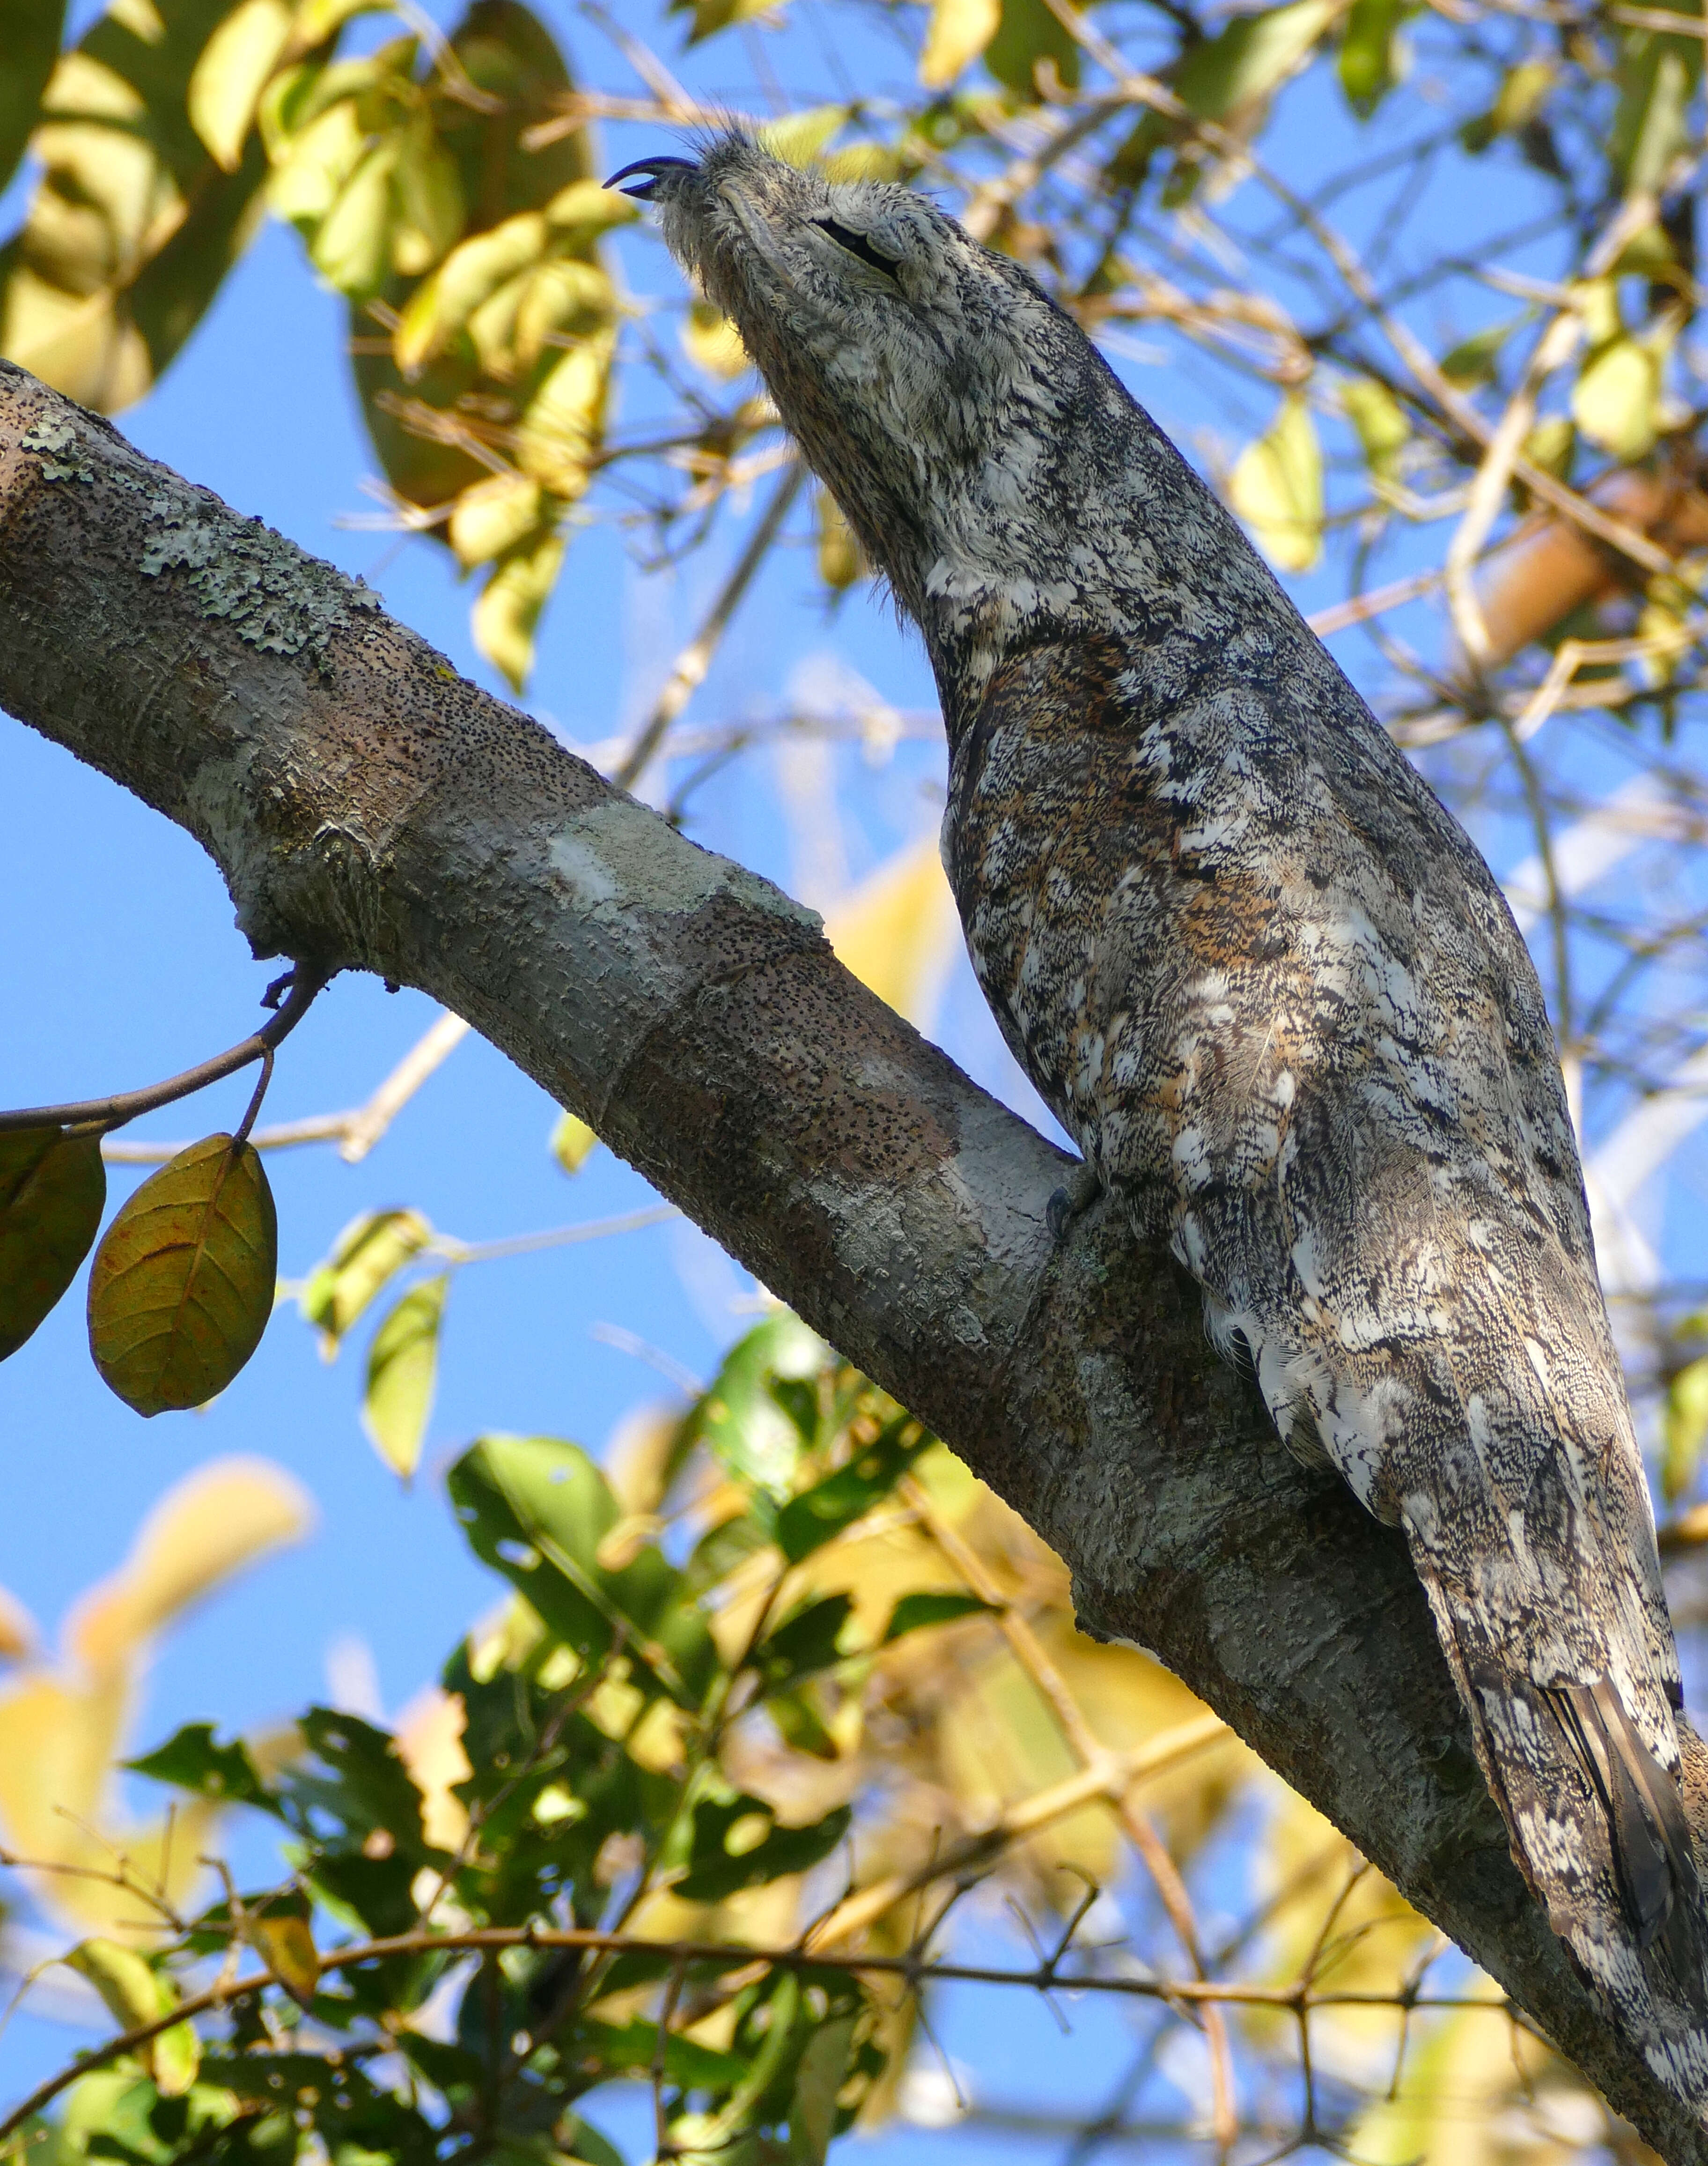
(925, 378)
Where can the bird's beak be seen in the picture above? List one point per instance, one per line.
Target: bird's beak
(652, 169)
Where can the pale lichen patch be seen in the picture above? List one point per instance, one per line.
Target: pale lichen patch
(273, 596)
(619, 854)
(56, 444)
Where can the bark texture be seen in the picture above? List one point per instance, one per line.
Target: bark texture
(371, 811)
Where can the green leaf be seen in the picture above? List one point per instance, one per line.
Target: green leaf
(1474, 360)
(820, 1514)
(190, 1760)
(538, 1510)
(182, 1284)
(1252, 57)
(804, 1644)
(1658, 78)
(402, 1368)
(742, 1419)
(736, 1843)
(1372, 54)
(1029, 33)
(30, 31)
(371, 1250)
(53, 1190)
(352, 246)
(823, 2066)
(913, 1611)
(99, 291)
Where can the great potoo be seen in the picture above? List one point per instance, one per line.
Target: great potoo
(1267, 985)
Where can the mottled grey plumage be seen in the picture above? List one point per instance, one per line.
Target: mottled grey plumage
(1269, 986)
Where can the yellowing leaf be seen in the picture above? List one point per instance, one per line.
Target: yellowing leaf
(1252, 57)
(799, 138)
(53, 1190)
(508, 611)
(206, 1527)
(371, 1250)
(429, 1740)
(1383, 425)
(403, 1367)
(572, 1143)
(898, 931)
(182, 1284)
(431, 207)
(841, 560)
(1615, 401)
(1276, 487)
(352, 246)
(1686, 1428)
(227, 81)
(712, 342)
(960, 30)
(469, 276)
(286, 1945)
(494, 516)
(135, 1994)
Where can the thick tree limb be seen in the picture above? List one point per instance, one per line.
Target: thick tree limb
(371, 811)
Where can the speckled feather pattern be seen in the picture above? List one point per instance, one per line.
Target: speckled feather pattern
(1269, 986)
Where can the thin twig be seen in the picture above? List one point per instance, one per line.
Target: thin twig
(104, 1113)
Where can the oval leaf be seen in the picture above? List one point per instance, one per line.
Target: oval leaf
(183, 1285)
(53, 1190)
(403, 1367)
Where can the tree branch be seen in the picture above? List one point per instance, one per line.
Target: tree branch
(371, 811)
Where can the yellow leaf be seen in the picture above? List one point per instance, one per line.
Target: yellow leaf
(555, 436)
(1686, 1428)
(959, 32)
(572, 1143)
(57, 1743)
(799, 138)
(1617, 399)
(504, 617)
(493, 516)
(182, 1285)
(209, 1526)
(1383, 425)
(712, 342)
(899, 929)
(403, 1367)
(227, 81)
(428, 1740)
(1276, 487)
(17, 1634)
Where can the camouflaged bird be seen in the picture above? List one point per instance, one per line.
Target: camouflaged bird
(1269, 986)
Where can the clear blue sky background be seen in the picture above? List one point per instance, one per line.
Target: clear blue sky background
(118, 963)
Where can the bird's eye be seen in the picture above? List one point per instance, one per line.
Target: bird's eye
(860, 245)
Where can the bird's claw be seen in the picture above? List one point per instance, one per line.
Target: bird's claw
(1081, 1189)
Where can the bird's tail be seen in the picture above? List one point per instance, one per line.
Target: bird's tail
(1597, 1827)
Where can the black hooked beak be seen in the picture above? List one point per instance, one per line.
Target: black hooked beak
(654, 169)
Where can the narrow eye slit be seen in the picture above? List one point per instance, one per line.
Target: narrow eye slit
(857, 244)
